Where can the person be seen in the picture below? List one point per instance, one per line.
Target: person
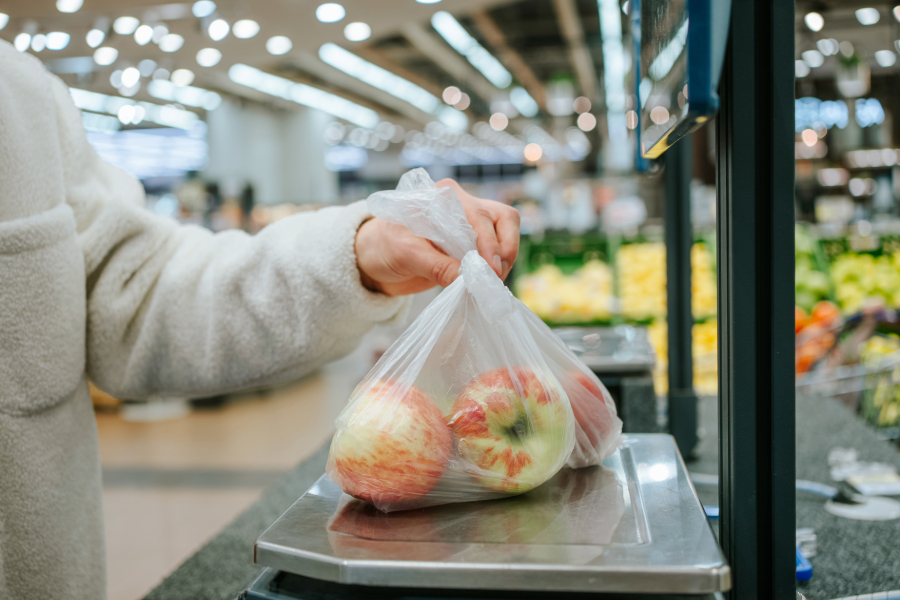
(94, 287)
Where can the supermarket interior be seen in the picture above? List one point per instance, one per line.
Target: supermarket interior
(236, 115)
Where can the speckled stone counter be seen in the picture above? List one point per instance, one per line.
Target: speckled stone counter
(854, 557)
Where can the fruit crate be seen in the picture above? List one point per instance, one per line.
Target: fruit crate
(567, 279)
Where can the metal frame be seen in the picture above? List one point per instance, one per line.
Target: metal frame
(755, 179)
(679, 239)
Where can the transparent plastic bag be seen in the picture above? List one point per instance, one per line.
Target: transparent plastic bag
(471, 402)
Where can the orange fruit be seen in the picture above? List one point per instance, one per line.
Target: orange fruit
(826, 313)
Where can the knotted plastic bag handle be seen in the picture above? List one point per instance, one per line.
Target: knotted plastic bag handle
(437, 214)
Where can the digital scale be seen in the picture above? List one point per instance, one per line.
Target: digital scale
(634, 526)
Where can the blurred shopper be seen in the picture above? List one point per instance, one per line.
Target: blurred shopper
(91, 285)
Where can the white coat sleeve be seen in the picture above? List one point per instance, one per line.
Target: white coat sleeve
(176, 309)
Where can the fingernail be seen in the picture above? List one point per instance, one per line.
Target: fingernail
(497, 262)
(505, 266)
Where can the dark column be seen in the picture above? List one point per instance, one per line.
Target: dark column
(755, 181)
(679, 238)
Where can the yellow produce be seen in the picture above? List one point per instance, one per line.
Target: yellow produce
(584, 296)
(642, 281)
(860, 276)
(705, 347)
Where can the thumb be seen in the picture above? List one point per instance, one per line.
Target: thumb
(432, 264)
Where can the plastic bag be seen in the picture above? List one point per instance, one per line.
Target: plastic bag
(473, 401)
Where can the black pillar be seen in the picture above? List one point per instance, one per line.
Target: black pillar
(679, 239)
(755, 181)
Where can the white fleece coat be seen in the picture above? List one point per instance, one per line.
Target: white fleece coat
(92, 285)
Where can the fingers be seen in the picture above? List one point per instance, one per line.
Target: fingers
(507, 227)
(482, 218)
(427, 262)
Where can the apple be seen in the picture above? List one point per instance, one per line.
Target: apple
(392, 446)
(598, 428)
(513, 430)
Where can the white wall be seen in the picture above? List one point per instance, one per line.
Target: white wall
(279, 152)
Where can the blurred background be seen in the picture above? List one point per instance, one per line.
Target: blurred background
(234, 114)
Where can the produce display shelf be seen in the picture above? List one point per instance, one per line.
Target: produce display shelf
(632, 526)
(569, 252)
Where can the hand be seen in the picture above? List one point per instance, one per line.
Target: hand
(395, 262)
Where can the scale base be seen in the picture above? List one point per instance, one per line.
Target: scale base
(280, 585)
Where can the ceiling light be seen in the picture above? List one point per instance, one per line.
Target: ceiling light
(115, 78)
(813, 58)
(814, 21)
(182, 77)
(868, 16)
(143, 35)
(801, 69)
(846, 48)
(245, 29)
(203, 8)
(523, 102)
(218, 29)
(330, 12)
(451, 95)
(303, 94)
(22, 42)
(897, 12)
(125, 25)
(377, 77)
(463, 102)
(147, 67)
(587, 121)
(171, 42)
(208, 57)
(4, 19)
(125, 113)
(159, 32)
(187, 95)
(163, 115)
(453, 118)
(659, 115)
(68, 6)
(357, 32)
(94, 38)
(465, 44)
(581, 104)
(533, 152)
(428, 1)
(279, 45)
(631, 119)
(499, 121)
(130, 91)
(828, 46)
(39, 42)
(57, 40)
(105, 56)
(130, 76)
(885, 58)
(161, 74)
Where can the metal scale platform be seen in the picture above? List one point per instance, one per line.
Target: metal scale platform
(634, 526)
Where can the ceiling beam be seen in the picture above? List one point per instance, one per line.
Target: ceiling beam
(449, 60)
(573, 33)
(509, 57)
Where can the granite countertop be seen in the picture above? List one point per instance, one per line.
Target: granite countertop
(854, 557)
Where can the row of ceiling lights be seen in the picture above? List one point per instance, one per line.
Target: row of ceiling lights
(866, 16)
(127, 80)
(830, 47)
